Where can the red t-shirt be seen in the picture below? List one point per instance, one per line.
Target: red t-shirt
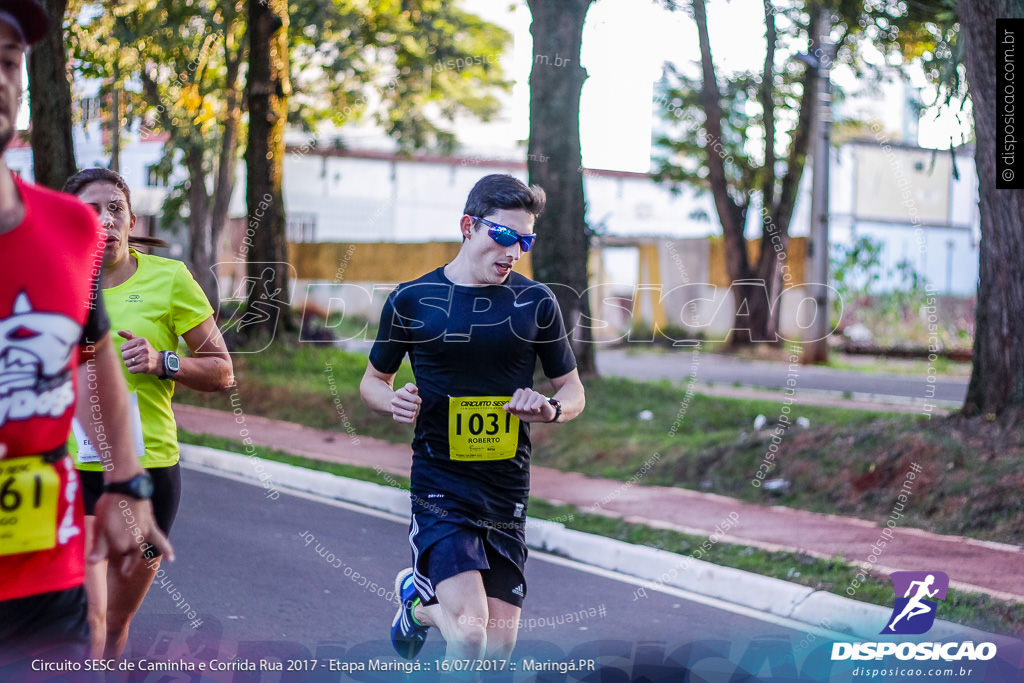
(51, 262)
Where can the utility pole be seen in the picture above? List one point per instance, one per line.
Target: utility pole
(820, 59)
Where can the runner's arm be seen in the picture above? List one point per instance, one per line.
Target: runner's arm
(569, 391)
(532, 406)
(209, 368)
(103, 401)
(378, 392)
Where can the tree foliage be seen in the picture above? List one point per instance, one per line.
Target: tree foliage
(745, 136)
(177, 68)
(180, 67)
(413, 68)
(871, 293)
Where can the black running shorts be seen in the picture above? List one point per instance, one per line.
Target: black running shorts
(166, 496)
(444, 546)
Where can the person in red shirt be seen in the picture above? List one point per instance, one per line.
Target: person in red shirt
(55, 345)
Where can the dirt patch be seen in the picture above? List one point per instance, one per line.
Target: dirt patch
(958, 475)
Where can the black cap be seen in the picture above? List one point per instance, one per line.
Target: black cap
(30, 15)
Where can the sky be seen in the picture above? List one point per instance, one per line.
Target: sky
(625, 44)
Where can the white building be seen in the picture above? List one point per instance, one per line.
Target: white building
(909, 198)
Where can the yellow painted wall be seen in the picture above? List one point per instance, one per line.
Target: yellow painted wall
(400, 262)
(375, 261)
(796, 259)
(389, 262)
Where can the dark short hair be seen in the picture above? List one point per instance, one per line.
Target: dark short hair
(500, 191)
(87, 176)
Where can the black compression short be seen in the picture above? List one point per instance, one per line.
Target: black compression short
(166, 496)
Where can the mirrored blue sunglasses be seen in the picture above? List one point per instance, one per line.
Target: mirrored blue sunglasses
(506, 236)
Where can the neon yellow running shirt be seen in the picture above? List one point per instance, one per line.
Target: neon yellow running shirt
(160, 301)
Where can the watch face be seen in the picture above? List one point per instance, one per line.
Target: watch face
(173, 362)
(143, 485)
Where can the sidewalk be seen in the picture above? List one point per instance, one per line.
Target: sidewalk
(726, 375)
(979, 566)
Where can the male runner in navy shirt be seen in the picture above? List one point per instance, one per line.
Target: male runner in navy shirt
(473, 330)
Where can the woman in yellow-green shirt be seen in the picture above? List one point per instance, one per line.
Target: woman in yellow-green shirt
(151, 301)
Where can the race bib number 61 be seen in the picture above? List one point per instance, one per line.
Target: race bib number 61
(480, 429)
(28, 505)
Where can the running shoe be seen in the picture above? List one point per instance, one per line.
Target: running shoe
(407, 635)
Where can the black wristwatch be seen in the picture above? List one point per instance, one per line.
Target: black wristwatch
(558, 409)
(171, 364)
(139, 487)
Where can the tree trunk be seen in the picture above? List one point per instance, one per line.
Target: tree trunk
(202, 249)
(997, 376)
(554, 162)
(269, 88)
(115, 123)
(775, 225)
(731, 214)
(755, 287)
(53, 151)
(769, 269)
(225, 183)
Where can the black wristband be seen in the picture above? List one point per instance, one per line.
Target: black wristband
(139, 487)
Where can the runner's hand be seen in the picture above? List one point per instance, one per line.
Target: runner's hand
(124, 526)
(140, 356)
(406, 404)
(530, 406)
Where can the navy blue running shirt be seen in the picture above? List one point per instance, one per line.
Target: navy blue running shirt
(466, 341)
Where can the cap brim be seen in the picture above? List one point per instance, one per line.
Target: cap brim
(34, 20)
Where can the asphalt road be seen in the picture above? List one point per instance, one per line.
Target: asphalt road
(726, 370)
(296, 589)
(262, 592)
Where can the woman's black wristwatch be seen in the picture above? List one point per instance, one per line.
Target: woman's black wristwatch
(139, 487)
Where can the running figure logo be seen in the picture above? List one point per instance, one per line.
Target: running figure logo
(266, 307)
(914, 613)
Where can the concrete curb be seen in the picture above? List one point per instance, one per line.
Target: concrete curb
(765, 594)
(272, 475)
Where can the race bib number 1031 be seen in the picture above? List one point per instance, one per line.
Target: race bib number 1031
(479, 428)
